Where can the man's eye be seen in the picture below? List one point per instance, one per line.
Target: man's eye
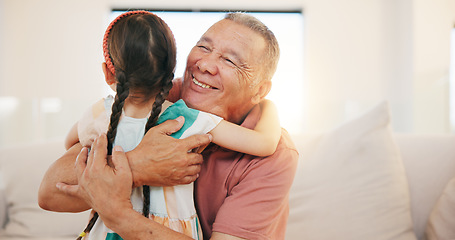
(203, 47)
(229, 61)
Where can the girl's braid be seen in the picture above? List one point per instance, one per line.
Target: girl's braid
(159, 100)
(90, 225)
(117, 108)
(156, 110)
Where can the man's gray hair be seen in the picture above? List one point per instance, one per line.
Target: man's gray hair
(272, 54)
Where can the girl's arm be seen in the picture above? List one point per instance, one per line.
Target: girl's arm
(72, 137)
(87, 118)
(88, 127)
(262, 141)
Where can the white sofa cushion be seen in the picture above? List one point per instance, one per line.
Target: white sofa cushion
(441, 224)
(22, 169)
(351, 184)
(429, 160)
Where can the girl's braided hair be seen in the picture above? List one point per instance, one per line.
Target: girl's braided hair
(139, 50)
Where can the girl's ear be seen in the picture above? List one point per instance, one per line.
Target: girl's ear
(262, 90)
(109, 77)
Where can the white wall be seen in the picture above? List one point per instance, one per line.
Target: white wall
(357, 52)
(49, 49)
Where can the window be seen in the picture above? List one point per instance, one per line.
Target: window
(288, 84)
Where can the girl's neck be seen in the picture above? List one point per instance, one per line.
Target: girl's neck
(138, 106)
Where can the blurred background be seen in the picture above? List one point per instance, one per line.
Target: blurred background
(339, 58)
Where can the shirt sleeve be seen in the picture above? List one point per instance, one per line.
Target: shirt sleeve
(257, 203)
(196, 122)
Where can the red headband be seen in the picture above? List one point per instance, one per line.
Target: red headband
(106, 54)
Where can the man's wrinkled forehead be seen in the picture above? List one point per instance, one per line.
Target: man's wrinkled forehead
(236, 40)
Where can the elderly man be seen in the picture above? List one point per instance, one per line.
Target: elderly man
(237, 196)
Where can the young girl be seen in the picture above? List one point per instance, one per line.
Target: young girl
(140, 55)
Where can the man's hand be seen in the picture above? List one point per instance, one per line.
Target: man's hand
(161, 160)
(103, 187)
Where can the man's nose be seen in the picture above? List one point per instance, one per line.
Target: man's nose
(207, 64)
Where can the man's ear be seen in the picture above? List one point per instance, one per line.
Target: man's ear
(108, 76)
(262, 90)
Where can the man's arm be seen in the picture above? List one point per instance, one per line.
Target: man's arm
(159, 160)
(62, 170)
(130, 225)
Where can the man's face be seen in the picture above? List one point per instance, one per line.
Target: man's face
(221, 69)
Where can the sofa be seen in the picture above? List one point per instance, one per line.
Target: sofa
(358, 180)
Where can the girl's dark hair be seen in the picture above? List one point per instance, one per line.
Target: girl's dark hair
(142, 50)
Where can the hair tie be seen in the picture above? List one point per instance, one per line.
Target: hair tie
(107, 56)
(82, 234)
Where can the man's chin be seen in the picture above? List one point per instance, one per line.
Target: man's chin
(198, 104)
(192, 101)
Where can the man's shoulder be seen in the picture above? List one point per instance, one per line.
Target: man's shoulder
(286, 149)
(286, 141)
(285, 158)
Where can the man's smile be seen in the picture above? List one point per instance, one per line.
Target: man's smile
(202, 85)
